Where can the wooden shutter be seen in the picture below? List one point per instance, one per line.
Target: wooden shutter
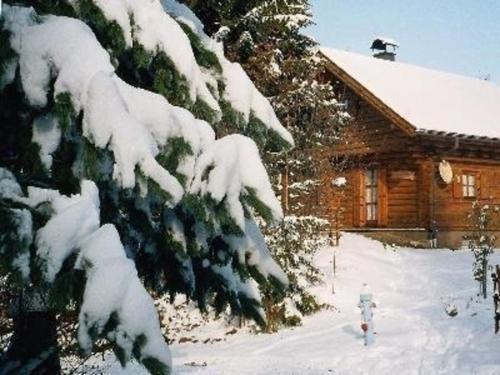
(359, 210)
(457, 184)
(483, 185)
(383, 214)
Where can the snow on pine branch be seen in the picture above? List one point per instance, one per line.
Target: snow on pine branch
(239, 89)
(255, 248)
(47, 134)
(128, 115)
(165, 122)
(116, 115)
(135, 18)
(74, 219)
(124, 299)
(148, 24)
(114, 296)
(231, 167)
(17, 234)
(134, 123)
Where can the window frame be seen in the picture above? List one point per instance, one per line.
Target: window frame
(466, 186)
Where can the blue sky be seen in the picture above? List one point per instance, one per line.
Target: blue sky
(459, 36)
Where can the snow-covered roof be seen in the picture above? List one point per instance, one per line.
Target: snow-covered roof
(429, 100)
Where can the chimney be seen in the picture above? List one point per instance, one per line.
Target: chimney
(384, 48)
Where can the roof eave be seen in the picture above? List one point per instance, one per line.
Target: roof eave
(466, 137)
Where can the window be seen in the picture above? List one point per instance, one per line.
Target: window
(371, 194)
(468, 185)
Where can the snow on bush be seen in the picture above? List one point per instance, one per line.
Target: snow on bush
(481, 241)
(293, 245)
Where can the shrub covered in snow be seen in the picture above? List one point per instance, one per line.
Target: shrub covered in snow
(481, 241)
(115, 179)
(293, 245)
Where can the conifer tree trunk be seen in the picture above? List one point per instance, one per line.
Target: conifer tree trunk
(33, 346)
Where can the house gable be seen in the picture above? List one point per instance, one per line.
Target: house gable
(373, 130)
(368, 97)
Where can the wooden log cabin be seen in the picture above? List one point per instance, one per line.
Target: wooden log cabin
(422, 145)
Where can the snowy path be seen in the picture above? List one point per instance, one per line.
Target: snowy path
(414, 334)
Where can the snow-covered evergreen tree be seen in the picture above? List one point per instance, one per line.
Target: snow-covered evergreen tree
(267, 38)
(293, 245)
(120, 173)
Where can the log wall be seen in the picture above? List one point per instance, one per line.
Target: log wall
(411, 192)
(451, 207)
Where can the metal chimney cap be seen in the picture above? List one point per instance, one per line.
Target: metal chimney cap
(381, 43)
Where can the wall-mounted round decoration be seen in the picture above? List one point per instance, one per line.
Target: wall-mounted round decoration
(446, 172)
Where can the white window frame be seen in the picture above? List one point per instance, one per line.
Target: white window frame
(469, 185)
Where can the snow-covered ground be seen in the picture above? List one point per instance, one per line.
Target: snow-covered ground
(412, 289)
